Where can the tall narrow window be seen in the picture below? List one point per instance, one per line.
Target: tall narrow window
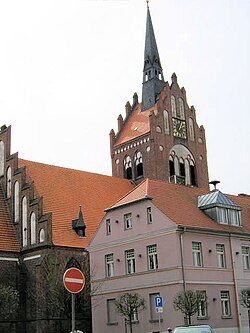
(202, 309)
(24, 221)
(130, 261)
(246, 257)
(109, 262)
(173, 106)
(197, 255)
(16, 201)
(191, 128)
(127, 167)
(166, 121)
(1, 158)
(149, 215)
(128, 221)
(8, 185)
(182, 168)
(138, 164)
(41, 236)
(192, 174)
(181, 108)
(220, 253)
(171, 166)
(152, 257)
(108, 227)
(225, 304)
(111, 311)
(32, 228)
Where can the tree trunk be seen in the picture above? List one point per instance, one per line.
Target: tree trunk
(189, 320)
(130, 324)
(249, 319)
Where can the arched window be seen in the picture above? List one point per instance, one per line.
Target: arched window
(41, 236)
(127, 167)
(171, 166)
(173, 106)
(24, 221)
(192, 174)
(16, 201)
(32, 228)
(176, 166)
(138, 164)
(181, 108)
(191, 128)
(187, 172)
(1, 158)
(182, 168)
(8, 185)
(166, 121)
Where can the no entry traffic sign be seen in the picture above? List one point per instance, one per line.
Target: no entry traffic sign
(74, 280)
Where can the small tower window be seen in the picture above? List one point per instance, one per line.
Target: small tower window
(181, 108)
(16, 201)
(173, 106)
(24, 221)
(182, 168)
(191, 129)
(138, 164)
(41, 236)
(166, 121)
(127, 167)
(33, 228)
(171, 166)
(1, 158)
(192, 174)
(8, 185)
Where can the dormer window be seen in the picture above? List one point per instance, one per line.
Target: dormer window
(78, 224)
(220, 208)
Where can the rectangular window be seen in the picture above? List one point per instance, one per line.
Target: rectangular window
(225, 304)
(130, 261)
(202, 310)
(149, 215)
(153, 315)
(134, 316)
(109, 261)
(111, 311)
(246, 257)
(128, 221)
(220, 253)
(152, 257)
(108, 227)
(197, 255)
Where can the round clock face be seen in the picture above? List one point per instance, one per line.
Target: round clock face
(179, 128)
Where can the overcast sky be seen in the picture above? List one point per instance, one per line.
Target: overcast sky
(67, 69)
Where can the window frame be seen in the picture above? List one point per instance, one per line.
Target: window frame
(130, 261)
(221, 256)
(108, 227)
(197, 254)
(128, 223)
(152, 257)
(224, 301)
(109, 265)
(109, 317)
(246, 257)
(204, 307)
(149, 215)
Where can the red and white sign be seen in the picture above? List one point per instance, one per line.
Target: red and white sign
(74, 280)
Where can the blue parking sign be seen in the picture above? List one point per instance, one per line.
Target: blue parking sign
(158, 302)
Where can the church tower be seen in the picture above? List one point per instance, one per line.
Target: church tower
(159, 138)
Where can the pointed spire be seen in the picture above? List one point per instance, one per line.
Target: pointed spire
(153, 80)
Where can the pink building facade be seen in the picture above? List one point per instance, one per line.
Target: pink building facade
(138, 248)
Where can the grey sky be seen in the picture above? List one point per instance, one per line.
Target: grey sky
(67, 69)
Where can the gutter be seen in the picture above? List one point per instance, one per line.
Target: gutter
(181, 231)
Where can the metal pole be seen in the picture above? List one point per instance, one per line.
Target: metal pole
(159, 322)
(73, 312)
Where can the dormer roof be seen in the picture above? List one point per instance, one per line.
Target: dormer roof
(216, 199)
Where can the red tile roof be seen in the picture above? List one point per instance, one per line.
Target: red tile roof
(179, 203)
(64, 190)
(136, 125)
(8, 238)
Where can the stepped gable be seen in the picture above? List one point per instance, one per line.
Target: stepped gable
(63, 190)
(179, 203)
(8, 238)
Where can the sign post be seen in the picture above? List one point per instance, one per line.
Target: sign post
(159, 308)
(74, 281)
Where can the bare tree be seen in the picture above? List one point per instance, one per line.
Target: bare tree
(188, 303)
(9, 301)
(245, 302)
(128, 305)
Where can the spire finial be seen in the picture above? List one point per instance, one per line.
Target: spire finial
(147, 3)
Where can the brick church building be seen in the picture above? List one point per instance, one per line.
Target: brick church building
(52, 217)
